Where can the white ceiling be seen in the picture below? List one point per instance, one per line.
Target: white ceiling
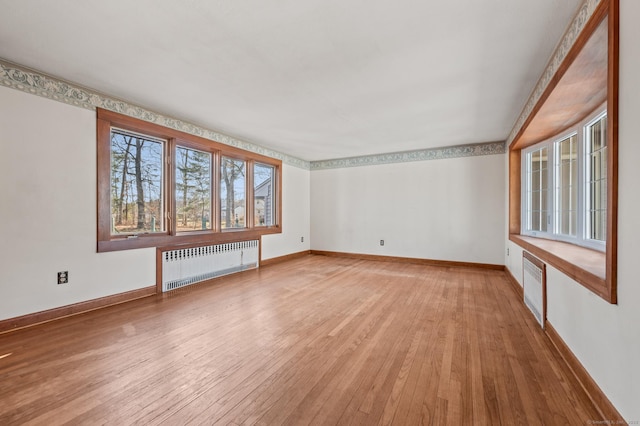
(316, 79)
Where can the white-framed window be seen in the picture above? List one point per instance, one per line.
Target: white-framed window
(564, 191)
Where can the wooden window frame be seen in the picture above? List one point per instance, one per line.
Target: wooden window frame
(170, 238)
(594, 270)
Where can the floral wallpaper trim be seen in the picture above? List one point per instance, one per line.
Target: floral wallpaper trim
(569, 38)
(40, 84)
(471, 150)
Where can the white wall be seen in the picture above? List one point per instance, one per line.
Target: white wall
(295, 215)
(606, 338)
(48, 211)
(450, 209)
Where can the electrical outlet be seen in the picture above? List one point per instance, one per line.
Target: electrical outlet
(63, 277)
(381, 242)
(302, 239)
(507, 252)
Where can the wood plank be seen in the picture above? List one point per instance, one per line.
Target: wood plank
(315, 339)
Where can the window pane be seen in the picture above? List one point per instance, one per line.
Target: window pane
(263, 190)
(538, 190)
(596, 204)
(137, 203)
(543, 210)
(232, 193)
(193, 190)
(567, 185)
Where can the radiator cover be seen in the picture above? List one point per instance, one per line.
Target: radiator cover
(186, 266)
(534, 286)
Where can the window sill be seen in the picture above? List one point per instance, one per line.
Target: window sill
(586, 266)
(185, 238)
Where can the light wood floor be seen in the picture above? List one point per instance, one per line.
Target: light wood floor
(316, 340)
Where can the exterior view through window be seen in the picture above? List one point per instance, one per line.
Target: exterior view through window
(160, 187)
(263, 189)
(566, 190)
(232, 193)
(565, 185)
(537, 189)
(193, 189)
(597, 179)
(137, 201)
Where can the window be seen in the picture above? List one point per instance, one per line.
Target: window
(586, 78)
(263, 189)
(537, 190)
(232, 193)
(572, 208)
(193, 190)
(161, 187)
(596, 141)
(137, 199)
(566, 190)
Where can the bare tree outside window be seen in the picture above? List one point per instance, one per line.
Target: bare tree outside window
(193, 190)
(136, 184)
(232, 193)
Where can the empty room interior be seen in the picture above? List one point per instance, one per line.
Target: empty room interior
(319, 212)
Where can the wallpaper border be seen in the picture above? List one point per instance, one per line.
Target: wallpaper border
(37, 83)
(568, 39)
(458, 151)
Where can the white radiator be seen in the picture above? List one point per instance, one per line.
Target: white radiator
(534, 286)
(191, 265)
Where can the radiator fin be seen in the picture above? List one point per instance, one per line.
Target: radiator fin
(188, 266)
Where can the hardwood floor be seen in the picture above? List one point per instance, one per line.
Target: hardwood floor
(315, 340)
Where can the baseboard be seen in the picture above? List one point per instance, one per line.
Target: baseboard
(417, 261)
(597, 397)
(287, 257)
(28, 320)
(514, 283)
(593, 391)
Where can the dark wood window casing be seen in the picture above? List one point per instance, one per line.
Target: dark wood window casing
(587, 77)
(106, 120)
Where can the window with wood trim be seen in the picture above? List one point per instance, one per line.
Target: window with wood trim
(565, 185)
(159, 187)
(582, 161)
(264, 177)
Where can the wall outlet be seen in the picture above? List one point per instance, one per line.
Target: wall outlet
(381, 242)
(63, 277)
(507, 252)
(302, 239)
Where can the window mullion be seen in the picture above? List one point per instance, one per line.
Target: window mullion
(170, 186)
(580, 217)
(554, 191)
(215, 191)
(249, 196)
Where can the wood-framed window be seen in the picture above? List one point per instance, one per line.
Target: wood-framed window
(162, 187)
(566, 114)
